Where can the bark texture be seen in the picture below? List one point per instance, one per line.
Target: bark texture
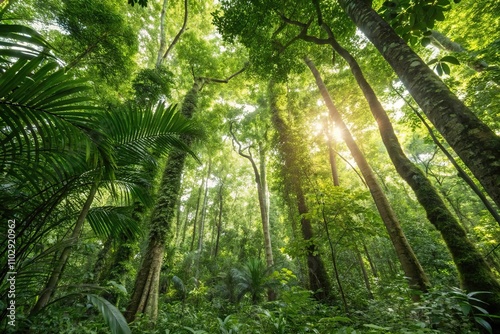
(409, 262)
(475, 143)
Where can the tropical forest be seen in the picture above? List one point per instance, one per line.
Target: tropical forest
(250, 166)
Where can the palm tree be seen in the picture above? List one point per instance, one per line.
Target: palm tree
(253, 279)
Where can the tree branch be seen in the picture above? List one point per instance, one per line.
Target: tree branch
(181, 31)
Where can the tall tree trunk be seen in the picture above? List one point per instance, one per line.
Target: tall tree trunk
(144, 297)
(370, 261)
(318, 278)
(145, 294)
(195, 219)
(201, 232)
(475, 143)
(55, 276)
(163, 38)
(332, 157)
(219, 221)
(260, 181)
(475, 274)
(409, 262)
(366, 279)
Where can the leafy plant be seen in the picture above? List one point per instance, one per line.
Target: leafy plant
(112, 316)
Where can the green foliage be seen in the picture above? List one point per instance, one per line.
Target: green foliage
(111, 315)
(153, 85)
(414, 19)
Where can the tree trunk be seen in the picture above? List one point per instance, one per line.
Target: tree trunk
(318, 278)
(409, 262)
(202, 222)
(461, 172)
(55, 276)
(475, 143)
(366, 279)
(144, 297)
(219, 221)
(163, 38)
(370, 261)
(195, 220)
(475, 274)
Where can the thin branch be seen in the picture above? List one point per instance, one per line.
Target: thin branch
(181, 31)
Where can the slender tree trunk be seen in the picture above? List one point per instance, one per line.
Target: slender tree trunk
(195, 220)
(475, 143)
(409, 262)
(370, 261)
(219, 221)
(201, 232)
(260, 181)
(163, 38)
(475, 274)
(366, 279)
(144, 297)
(101, 259)
(55, 276)
(332, 158)
(318, 278)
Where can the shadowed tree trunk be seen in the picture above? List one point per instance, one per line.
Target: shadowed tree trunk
(318, 278)
(409, 262)
(475, 143)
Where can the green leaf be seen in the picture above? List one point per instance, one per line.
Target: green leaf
(450, 59)
(377, 327)
(112, 316)
(483, 323)
(432, 61)
(425, 41)
(445, 67)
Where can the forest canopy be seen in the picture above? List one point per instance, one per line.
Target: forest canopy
(233, 166)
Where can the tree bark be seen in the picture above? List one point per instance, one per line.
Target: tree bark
(318, 277)
(475, 143)
(409, 262)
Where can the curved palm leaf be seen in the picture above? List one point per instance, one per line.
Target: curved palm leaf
(18, 41)
(112, 220)
(138, 133)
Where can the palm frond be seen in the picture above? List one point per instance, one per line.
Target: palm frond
(112, 220)
(141, 133)
(18, 41)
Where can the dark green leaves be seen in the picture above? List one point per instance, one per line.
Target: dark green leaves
(441, 67)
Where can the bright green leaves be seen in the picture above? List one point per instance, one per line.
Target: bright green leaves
(413, 19)
(441, 67)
